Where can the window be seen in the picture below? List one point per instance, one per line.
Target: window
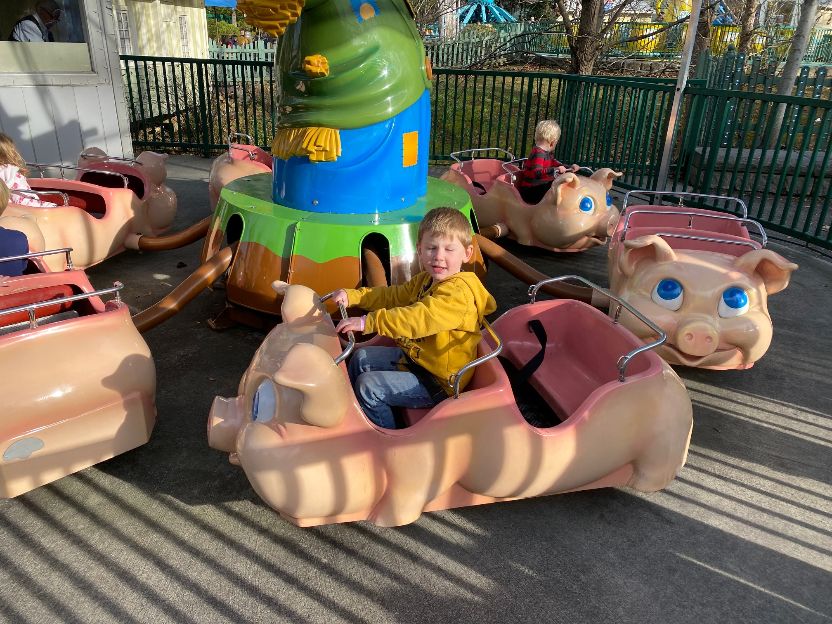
(125, 45)
(183, 35)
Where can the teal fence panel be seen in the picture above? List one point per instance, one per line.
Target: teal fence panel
(772, 151)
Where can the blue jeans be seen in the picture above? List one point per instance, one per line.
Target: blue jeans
(379, 385)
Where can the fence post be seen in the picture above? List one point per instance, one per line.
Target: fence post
(203, 109)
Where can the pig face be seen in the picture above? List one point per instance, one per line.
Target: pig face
(712, 306)
(583, 214)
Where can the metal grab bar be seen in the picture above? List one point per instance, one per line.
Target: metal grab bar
(691, 214)
(350, 335)
(31, 307)
(105, 157)
(41, 167)
(624, 360)
(480, 149)
(682, 194)
(251, 154)
(517, 163)
(724, 241)
(454, 379)
(38, 254)
(38, 194)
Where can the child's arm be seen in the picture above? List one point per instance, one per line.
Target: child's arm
(443, 310)
(380, 296)
(536, 166)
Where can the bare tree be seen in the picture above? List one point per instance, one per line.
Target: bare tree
(748, 24)
(586, 37)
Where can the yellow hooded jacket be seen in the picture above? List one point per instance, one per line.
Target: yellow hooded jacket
(437, 325)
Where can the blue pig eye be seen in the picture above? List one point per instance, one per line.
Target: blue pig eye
(609, 199)
(587, 204)
(669, 294)
(734, 302)
(264, 402)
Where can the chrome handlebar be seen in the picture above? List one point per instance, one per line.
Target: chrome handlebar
(481, 149)
(350, 335)
(683, 194)
(39, 194)
(624, 360)
(38, 254)
(31, 307)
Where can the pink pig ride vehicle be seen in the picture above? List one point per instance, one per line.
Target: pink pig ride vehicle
(101, 213)
(241, 159)
(701, 277)
(78, 382)
(621, 417)
(575, 214)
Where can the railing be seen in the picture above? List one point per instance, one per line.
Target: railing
(254, 51)
(653, 40)
(771, 151)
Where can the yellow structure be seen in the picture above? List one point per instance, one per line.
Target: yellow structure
(161, 27)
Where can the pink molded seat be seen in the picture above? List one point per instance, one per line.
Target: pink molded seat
(243, 151)
(679, 239)
(706, 220)
(480, 171)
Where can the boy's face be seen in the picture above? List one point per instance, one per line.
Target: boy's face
(442, 256)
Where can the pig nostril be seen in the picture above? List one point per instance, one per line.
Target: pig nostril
(708, 339)
(689, 337)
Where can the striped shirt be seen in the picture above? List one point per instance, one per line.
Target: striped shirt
(539, 168)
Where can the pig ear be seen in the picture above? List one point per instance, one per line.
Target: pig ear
(311, 371)
(298, 302)
(651, 247)
(606, 176)
(564, 179)
(772, 267)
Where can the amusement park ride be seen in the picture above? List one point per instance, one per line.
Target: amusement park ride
(337, 204)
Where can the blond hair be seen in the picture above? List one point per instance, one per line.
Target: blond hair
(4, 196)
(9, 154)
(446, 222)
(547, 130)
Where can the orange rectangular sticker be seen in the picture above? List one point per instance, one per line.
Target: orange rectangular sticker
(410, 148)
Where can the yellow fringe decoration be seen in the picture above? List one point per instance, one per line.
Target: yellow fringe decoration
(319, 144)
(271, 15)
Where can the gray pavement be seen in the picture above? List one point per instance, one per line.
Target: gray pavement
(171, 532)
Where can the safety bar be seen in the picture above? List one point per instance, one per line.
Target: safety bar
(251, 154)
(31, 307)
(105, 157)
(517, 163)
(41, 167)
(454, 379)
(39, 254)
(724, 241)
(691, 214)
(481, 149)
(38, 194)
(683, 194)
(624, 360)
(350, 335)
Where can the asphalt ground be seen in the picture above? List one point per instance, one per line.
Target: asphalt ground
(171, 532)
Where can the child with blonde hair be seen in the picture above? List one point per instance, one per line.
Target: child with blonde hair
(435, 319)
(13, 172)
(540, 167)
(12, 242)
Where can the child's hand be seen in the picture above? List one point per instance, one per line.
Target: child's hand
(340, 296)
(353, 323)
(561, 169)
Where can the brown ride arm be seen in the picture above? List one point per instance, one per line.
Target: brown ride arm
(522, 271)
(194, 284)
(174, 241)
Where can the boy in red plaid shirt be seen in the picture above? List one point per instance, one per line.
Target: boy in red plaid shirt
(540, 167)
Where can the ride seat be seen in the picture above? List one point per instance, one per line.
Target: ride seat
(35, 295)
(726, 244)
(134, 182)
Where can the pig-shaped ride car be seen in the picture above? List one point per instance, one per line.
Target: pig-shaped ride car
(97, 214)
(700, 277)
(577, 212)
(241, 159)
(310, 452)
(146, 176)
(78, 381)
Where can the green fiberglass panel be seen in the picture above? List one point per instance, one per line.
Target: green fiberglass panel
(322, 237)
(376, 64)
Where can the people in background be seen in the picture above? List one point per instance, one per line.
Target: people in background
(13, 173)
(540, 167)
(12, 242)
(37, 26)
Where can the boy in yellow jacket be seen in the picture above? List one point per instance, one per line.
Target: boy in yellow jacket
(435, 319)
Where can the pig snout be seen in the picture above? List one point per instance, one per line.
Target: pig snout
(607, 227)
(224, 422)
(697, 337)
